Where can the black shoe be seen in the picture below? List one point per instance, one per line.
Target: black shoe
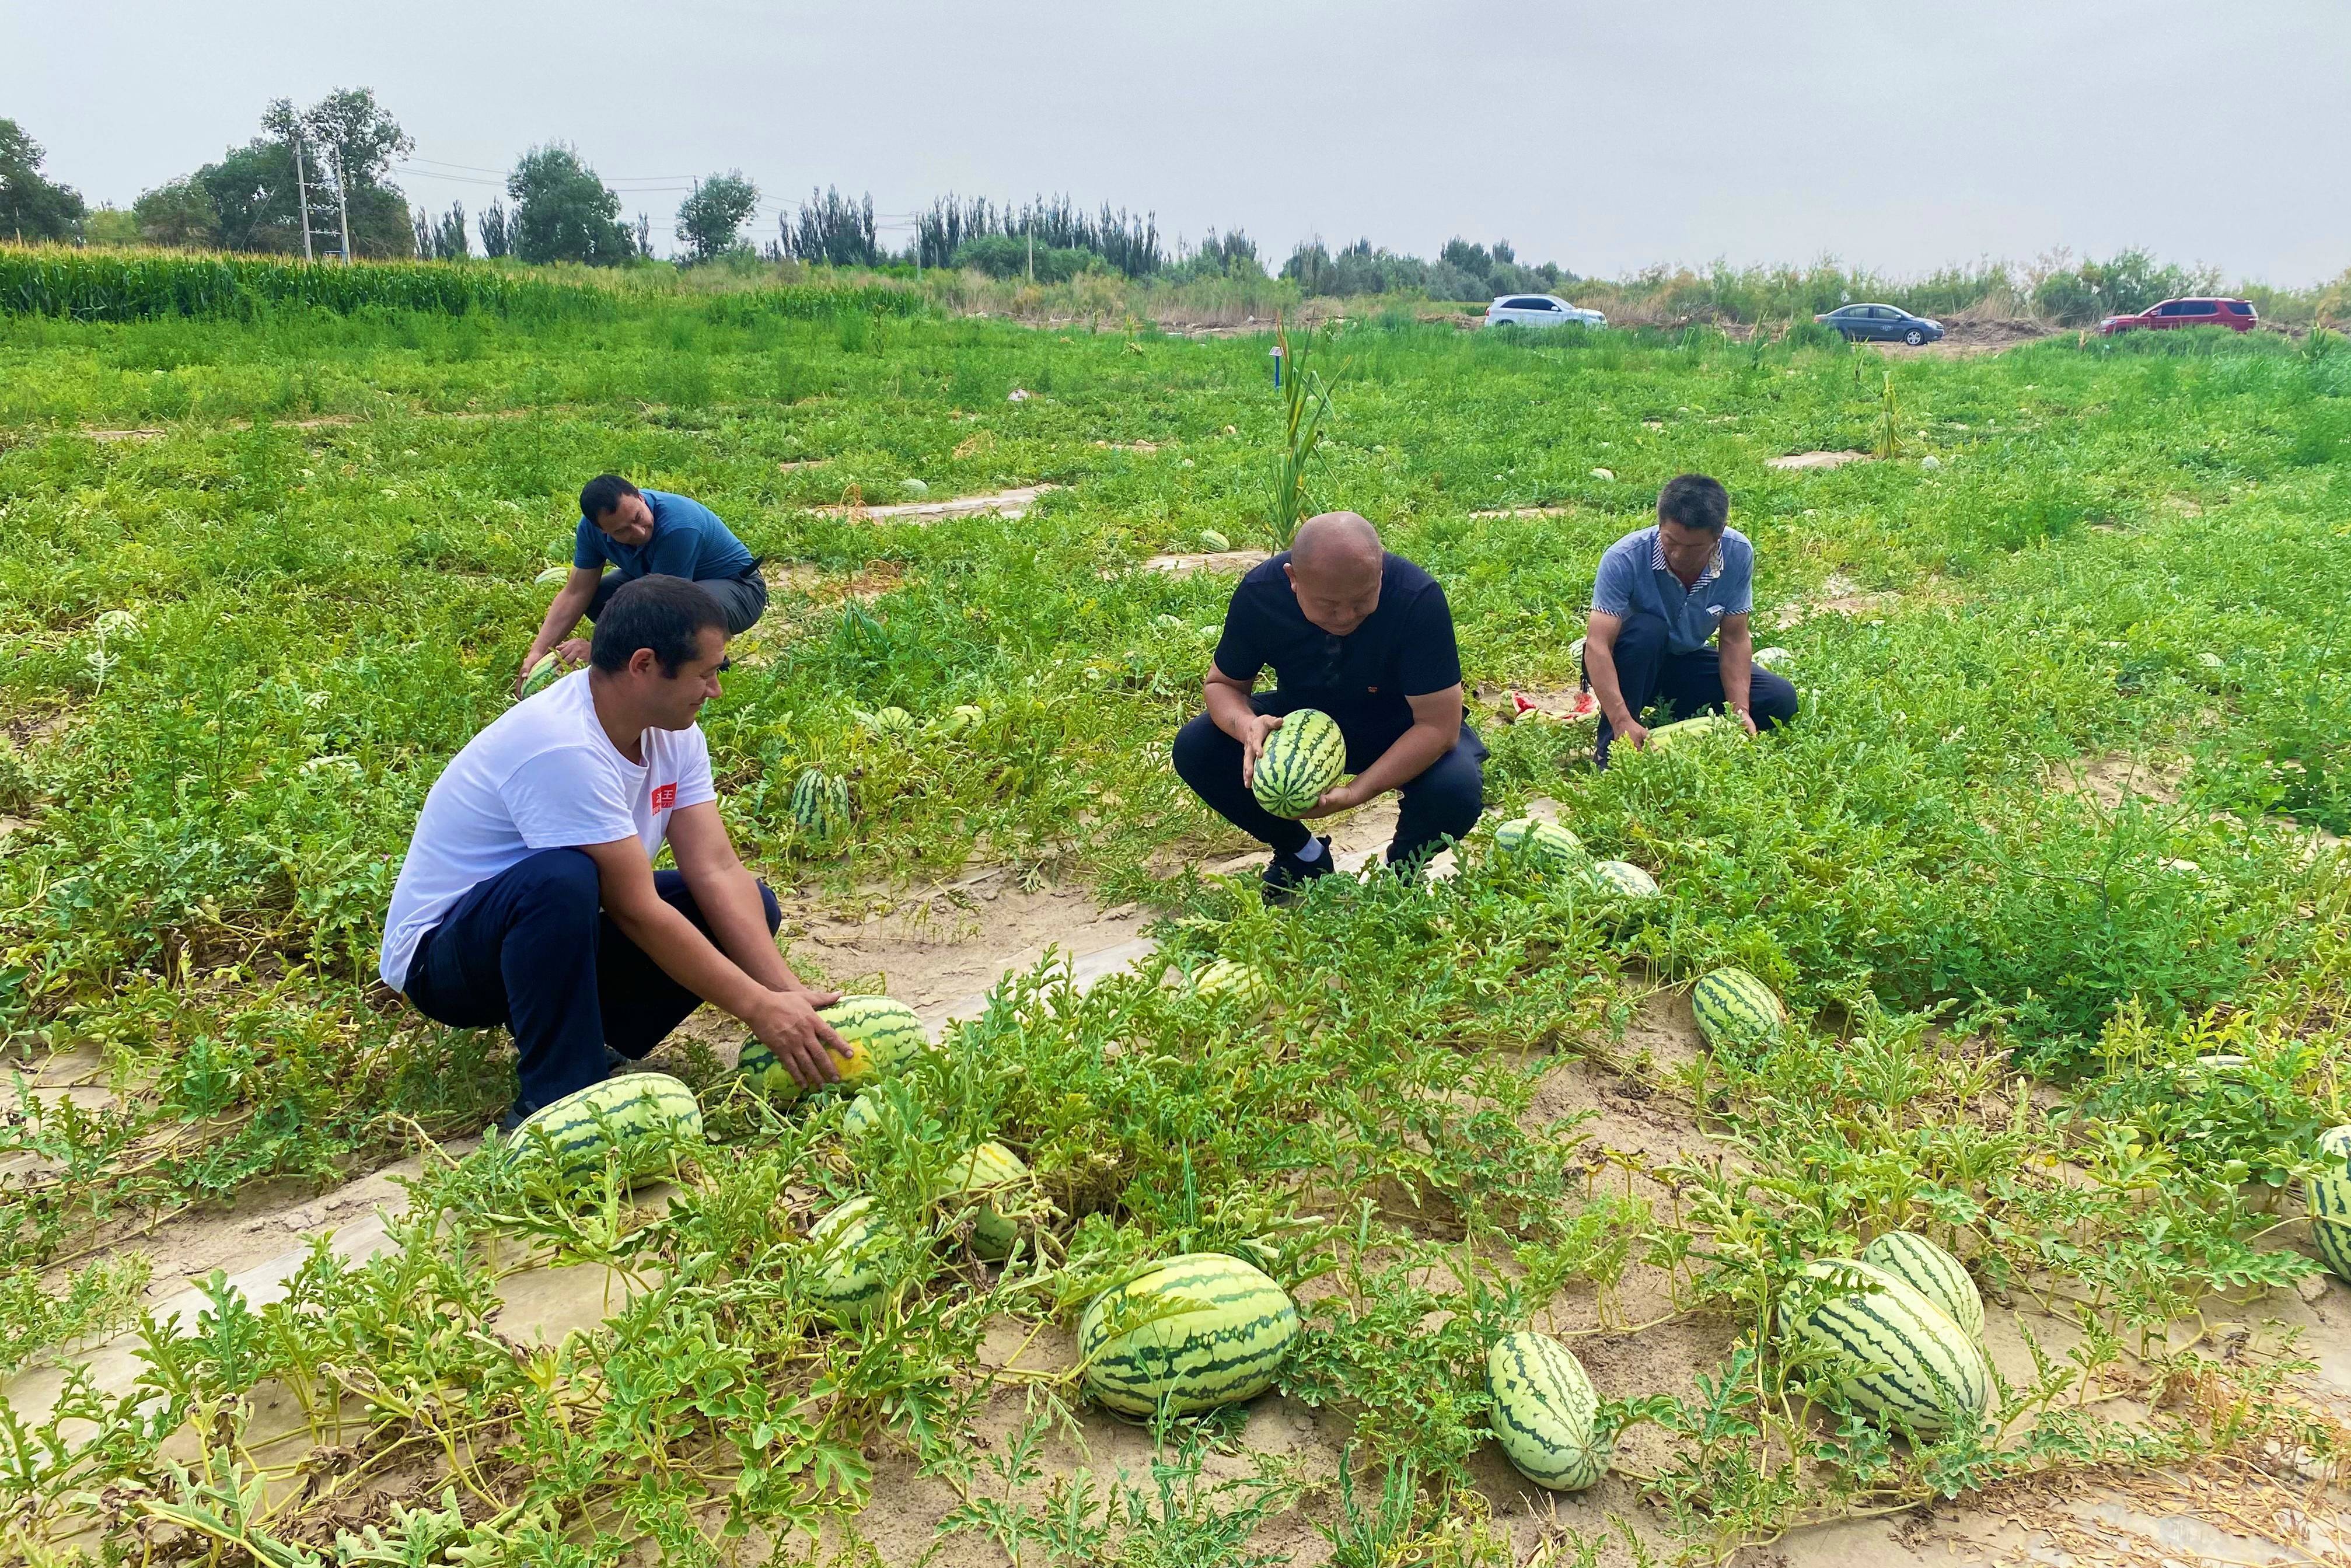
(510, 1121)
(614, 1061)
(1286, 873)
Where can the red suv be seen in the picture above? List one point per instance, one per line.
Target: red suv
(2237, 315)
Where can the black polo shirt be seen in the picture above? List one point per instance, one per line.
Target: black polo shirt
(1403, 649)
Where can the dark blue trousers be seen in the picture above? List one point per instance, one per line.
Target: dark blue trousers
(533, 949)
(1442, 803)
(1691, 683)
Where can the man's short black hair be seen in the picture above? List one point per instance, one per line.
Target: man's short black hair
(664, 613)
(601, 493)
(1694, 501)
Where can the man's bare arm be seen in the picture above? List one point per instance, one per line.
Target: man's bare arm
(785, 1020)
(1738, 664)
(1599, 667)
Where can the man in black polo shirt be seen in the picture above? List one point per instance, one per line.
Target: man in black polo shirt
(1366, 637)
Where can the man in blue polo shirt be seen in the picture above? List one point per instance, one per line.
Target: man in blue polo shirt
(644, 533)
(1661, 596)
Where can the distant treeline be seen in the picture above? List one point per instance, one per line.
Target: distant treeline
(319, 182)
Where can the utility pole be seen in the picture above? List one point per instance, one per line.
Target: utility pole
(302, 185)
(343, 203)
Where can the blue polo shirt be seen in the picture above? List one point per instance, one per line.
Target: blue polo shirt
(1635, 580)
(688, 541)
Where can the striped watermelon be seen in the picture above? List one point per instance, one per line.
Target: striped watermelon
(1895, 1353)
(2327, 1196)
(1243, 985)
(1196, 1331)
(1212, 541)
(1545, 1412)
(542, 674)
(1623, 879)
(1300, 760)
(1546, 846)
(1666, 737)
(624, 1117)
(852, 1246)
(988, 1169)
(891, 720)
(866, 1114)
(819, 803)
(882, 1036)
(1734, 1008)
(1772, 658)
(1933, 1273)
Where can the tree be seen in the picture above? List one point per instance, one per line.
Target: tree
(711, 220)
(496, 241)
(563, 212)
(179, 213)
(350, 138)
(252, 194)
(33, 206)
(110, 225)
(444, 240)
(832, 229)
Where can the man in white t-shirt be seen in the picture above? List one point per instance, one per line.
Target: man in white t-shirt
(528, 896)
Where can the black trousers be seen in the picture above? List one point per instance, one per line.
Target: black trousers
(743, 598)
(1691, 683)
(532, 949)
(1442, 803)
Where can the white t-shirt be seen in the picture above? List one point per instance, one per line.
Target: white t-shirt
(545, 776)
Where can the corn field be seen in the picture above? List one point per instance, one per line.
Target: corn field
(132, 287)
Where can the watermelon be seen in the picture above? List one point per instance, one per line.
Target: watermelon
(1734, 1008)
(1546, 846)
(819, 803)
(962, 716)
(1214, 542)
(1300, 760)
(542, 674)
(1545, 1412)
(852, 1246)
(623, 1118)
(889, 721)
(1229, 979)
(1624, 878)
(866, 1114)
(1666, 737)
(1196, 1331)
(1772, 658)
(1933, 1273)
(882, 1036)
(1894, 1352)
(2327, 1196)
(989, 1169)
(551, 578)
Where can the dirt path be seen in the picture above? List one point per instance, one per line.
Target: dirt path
(942, 949)
(1004, 503)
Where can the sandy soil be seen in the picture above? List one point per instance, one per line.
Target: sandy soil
(1004, 503)
(941, 950)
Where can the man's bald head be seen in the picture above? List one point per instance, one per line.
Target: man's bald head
(1335, 564)
(1341, 542)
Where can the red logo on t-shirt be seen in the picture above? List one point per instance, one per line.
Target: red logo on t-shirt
(666, 797)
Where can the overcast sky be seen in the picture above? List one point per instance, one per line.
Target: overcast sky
(1895, 136)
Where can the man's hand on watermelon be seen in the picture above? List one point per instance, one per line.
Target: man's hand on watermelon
(787, 1024)
(1436, 730)
(574, 651)
(1254, 730)
(1338, 797)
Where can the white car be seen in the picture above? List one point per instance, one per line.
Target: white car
(1539, 311)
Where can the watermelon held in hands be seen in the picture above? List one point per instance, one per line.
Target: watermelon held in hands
(542, 674)
(1894, 1352)
(1193, 1331)
(882, 1035)
(1546, 1412)
(1734, 1008)
(1298, 762)
(635, 1120)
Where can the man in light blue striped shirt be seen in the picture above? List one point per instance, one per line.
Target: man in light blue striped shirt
(1661, 595)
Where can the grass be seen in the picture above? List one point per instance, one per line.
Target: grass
(240, 650)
